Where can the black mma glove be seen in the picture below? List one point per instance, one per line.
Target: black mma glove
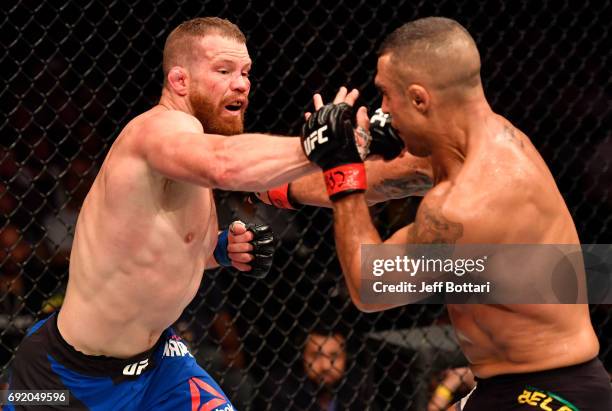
(263, 250)
(329, 142)
(385, 140)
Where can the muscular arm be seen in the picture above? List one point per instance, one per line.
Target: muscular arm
(403, 177)
(353, 227)
(245, 162)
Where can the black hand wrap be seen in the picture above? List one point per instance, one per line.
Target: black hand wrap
(263, 250)
(329, 142)
(385, 140)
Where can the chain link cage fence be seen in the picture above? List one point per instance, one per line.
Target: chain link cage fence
(75, 72)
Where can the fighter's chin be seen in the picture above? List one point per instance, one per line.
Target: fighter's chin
(229, 129)
(418, 151)
(223, 125)
(232, 120)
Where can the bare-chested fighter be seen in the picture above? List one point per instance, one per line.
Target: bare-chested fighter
(148, 229)
(490, 186)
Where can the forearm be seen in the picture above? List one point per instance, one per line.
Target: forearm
(403, 177)
(310, 190)
(256, 162)
(353, 227)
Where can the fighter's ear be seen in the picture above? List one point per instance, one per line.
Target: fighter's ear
(419, 97)
(178, 80)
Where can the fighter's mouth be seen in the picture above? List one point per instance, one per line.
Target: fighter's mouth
(235, 106)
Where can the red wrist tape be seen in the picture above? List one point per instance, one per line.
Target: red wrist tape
(279, 197)
(345, 178)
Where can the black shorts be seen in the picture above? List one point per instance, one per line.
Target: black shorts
(581, 387)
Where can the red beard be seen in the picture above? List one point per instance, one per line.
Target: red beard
(208, 114)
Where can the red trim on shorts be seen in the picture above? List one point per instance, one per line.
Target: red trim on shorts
(195, 396)
(210, 405)
(207, 387)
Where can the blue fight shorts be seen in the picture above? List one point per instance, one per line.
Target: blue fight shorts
(166, 377)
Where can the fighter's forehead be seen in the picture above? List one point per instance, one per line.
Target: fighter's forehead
(383, 76)
(218, 48)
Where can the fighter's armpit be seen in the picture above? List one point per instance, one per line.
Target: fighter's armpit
(412, 185)
(431, 227)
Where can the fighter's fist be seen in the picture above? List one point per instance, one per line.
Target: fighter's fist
(328, 141)
(327, 136)
(263, 249)
(246, 247)
(385, 141)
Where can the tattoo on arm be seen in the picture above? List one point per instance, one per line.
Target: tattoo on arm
(511, 136)
(433, 228)
(413, 185)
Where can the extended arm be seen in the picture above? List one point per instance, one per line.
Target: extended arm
(175, 148)
(402, 177)
(246, 162)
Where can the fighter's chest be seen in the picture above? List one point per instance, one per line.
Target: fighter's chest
(191, 209)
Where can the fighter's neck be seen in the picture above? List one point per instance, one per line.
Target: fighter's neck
(461, 131)
(172, 102)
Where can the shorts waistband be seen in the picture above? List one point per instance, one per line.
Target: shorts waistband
(580, 368)
(98, 365)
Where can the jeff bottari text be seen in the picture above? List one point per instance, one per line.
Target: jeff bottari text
(412, 266)
(433, 287)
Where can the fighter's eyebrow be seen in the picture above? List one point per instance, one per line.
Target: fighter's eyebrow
(224, 61)
(247, 63)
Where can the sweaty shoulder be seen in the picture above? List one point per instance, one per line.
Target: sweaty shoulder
(504, 193)
(160, 121)
(436, 221)
(451, 213)
(125, 172)
(175, 120)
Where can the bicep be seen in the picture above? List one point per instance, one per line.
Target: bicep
(184, 156)
(432, 225)
(402, 177)
(173, 144)
(404, 235)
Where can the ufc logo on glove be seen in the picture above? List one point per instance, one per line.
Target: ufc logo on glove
(315, 137)
(380, 117)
